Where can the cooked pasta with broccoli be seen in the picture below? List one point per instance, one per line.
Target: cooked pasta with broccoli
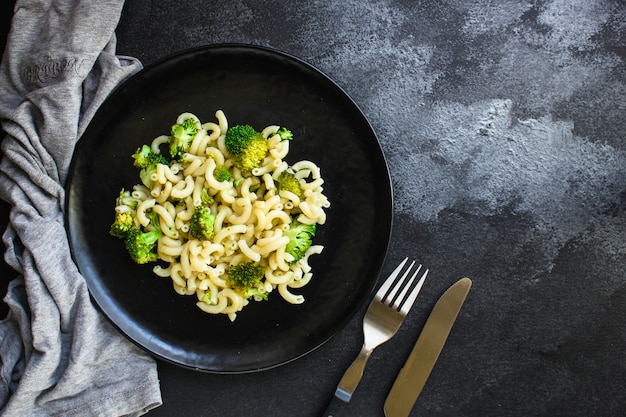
(222, 214)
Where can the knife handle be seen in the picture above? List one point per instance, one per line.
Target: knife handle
(336, 408)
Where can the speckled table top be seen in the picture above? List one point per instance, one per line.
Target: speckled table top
(504, 125)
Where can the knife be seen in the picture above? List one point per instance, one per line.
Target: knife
(421, 360)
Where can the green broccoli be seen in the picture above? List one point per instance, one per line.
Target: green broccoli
(124, 221)
(246, 145)
(181, 137)
(245, 277)
(126, 199)
(146, 172)
(222, 173)
(143, 156)
(142, 245)
(122, 224)
(254, 292)
(300, 239)
(287, 181)
(206, 198)
(284, 133)
(206, 298)
(201, 224)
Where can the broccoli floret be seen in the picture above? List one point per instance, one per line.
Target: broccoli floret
(122, 224)
(146, 172)
(124, 221)
(157, 158)
(201, 224)
(142, 156)
(245, 277)
(237, 138)
(206, 198)
(300, 239)
(284, 133)
(254, 292)
(146, 175)
(206, 298)
(142, 245)
(246, 145)
(287, 181)
(222, 173)
(126, 199)
(181, 137)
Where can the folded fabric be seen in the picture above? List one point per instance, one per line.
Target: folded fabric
(59, 355)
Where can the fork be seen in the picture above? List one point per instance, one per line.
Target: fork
(382, 320)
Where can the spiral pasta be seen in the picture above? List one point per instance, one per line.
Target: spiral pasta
(251, 217)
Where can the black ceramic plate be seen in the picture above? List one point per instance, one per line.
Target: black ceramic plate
(256, 86)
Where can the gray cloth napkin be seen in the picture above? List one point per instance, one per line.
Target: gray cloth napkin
(59, 355)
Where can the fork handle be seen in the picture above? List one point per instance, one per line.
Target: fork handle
(335, 408)
(354, 373)
(347, 385)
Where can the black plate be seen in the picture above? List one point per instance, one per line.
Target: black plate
(257, 86)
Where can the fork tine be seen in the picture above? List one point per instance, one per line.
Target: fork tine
(405, 285)
(408, 303)
(401, 282)
(387, 284)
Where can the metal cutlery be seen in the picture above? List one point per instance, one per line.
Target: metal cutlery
(382, 320)
(417, 368)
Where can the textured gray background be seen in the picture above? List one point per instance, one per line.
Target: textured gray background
(504, 126)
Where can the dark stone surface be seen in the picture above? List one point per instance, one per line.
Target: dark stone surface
(503, 124)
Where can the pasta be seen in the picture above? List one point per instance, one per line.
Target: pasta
(251, 217)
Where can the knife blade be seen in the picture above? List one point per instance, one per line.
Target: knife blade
(418, 366)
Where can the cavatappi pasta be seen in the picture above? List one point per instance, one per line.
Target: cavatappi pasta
(251, 217)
